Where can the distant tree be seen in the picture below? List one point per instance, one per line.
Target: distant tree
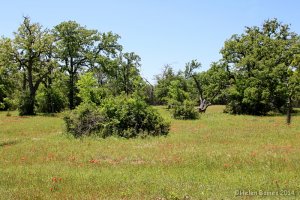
(90, 92)
(8, 74)
(260, 64)
(51, 95)
(149, 92)
(80, 49)
(178, 92)
(179, 99)
(128, 72)
(293, 81)
(74, 44)
(209, 85)
(163, 81)
(31, 53)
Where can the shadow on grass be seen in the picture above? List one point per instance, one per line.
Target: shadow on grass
(8, 143)
(295, 112)
(47, 114)
(59, 114)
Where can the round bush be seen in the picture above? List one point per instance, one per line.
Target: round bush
(186, 110)
(84, 120)
(121, 116)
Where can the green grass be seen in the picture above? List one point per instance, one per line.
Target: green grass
(209, 158)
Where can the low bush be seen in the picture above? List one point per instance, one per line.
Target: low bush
(185, 110)
(121, 116)
(85, 120)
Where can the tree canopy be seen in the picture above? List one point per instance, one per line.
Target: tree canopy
(47, 70)
(261, 66)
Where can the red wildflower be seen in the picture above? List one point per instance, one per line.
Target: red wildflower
(253, 154)
(226, 165)
(94, 161)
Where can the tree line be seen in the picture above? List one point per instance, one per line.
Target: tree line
(39, 67)
(257, 74)
(40, 71)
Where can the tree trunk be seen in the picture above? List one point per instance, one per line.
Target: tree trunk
(289, 111)
(32, 91)
(71, 85)
(203, 105)
(24, 82)
(31, 104)
(49, 92)
(71, 91)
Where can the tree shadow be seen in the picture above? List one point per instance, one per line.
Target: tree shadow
(8, 143)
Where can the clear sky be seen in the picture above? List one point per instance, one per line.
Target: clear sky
(160, 31)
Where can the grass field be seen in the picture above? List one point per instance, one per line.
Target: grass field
(209, 158)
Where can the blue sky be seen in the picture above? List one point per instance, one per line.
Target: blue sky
(160, 31)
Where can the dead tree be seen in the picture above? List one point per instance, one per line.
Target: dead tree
(203, 105)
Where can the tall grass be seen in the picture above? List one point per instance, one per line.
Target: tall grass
(209, 158)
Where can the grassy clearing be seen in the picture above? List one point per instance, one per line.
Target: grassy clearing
(209, 158)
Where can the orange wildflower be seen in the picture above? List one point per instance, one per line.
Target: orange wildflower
(226, 165)
(94, 161)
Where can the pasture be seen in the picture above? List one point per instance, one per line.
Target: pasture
(210, 158)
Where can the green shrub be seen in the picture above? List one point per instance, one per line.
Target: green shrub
(50, 100)
(84, 120)
(9, 103)
(134, 117)
(89, 89)
(185, 110)
(250, 101)
(121, 116)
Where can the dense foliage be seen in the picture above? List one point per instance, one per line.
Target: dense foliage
(43, 70)
(185, 110)
(263, 75)
(179, 100)
(104, 114)
(50, 100)
(163, 82)
(8, 77)
(119, 116)
(209, 85)
(182, 91)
